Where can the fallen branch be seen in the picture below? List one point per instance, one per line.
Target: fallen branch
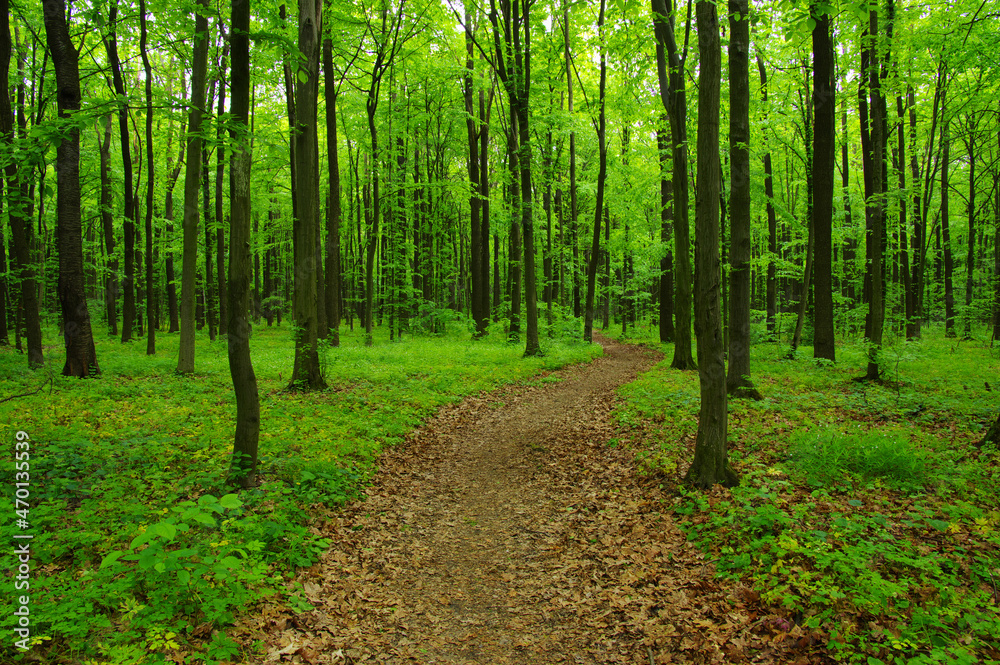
(33, 392)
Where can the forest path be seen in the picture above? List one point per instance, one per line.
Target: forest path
(508, 530)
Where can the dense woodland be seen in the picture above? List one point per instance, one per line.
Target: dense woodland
(517, 162)
(735, 177)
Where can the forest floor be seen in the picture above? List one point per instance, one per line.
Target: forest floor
(514, 527)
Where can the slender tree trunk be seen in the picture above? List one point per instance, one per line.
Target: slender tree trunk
(738, 382)
(670, 71)
(81, 357)
(573, 209)
(771, 295)
(192, 178)
(107, 224)
(602, 173)
(479, 315)
(333, 269)
(243, 470)
(970, 257)
(711, 462)
(919, 244)
(824, 154)
(20, 225)
(150, 173)
(307, 372)
(125, 139)
(996, 249)
(666, 294)
(220, 165)
(949, 264)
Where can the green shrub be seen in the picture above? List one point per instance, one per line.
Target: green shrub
(824, 457)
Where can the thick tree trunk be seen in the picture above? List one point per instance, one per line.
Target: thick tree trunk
(824, 150)
(670, 71)
(81, 357)
(307, 372)
(243, 471)
(192, 177)
(602, 174)
(711, 463)
(738, 382)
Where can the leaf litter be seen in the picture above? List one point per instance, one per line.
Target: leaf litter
(510, 529)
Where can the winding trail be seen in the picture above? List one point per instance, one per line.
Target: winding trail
(508, 530)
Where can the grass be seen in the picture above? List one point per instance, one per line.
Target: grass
(866, 519)
(134, 528)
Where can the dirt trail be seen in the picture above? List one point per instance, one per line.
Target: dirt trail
(508, 530)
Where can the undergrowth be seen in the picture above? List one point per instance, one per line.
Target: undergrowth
(140, 550)
(866, 522)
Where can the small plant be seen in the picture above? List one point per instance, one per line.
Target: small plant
(824, 457)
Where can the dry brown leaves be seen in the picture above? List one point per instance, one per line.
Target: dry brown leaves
(507, 530)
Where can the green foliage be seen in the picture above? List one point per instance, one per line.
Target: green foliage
(825, 456)
(865, 519)
(133, 525)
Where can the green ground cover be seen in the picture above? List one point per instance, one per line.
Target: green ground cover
(140, 550)
(867, 521)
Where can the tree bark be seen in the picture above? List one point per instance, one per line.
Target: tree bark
(875, 206)
(949, 263)
(602, 173)
(243, 470)
(666, 299)
(107, 226)
(150, 297)
(192, 178)
(128, 220)
(711, 462)
(670, 72)
(307, 372)
(81, 357)
(824, 152)
(220, 166)
(771, 289)
(479, 315)
(333, 270)
(738, 382)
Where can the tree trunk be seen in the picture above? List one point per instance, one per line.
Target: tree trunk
(670, 72)
(711, 463)
(771, 295)
(107, 225)
(949, 264)
(602, 173)
(192, 178)
(81, 357)
(150, 297)
(970, 257)
(128, 220)
(666, 294)
(824, 150)
(220, 164)
(306, 372)
(333, 270)
(479, 315)
(875, 206)
(243, 470)
(738, 382)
